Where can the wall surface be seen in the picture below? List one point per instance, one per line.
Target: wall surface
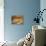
(26, 8)
(1, 20)
(43, 6)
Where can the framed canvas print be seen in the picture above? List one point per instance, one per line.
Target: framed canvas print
(17, 19)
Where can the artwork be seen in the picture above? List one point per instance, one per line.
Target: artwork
(39, 16)
(17, 19)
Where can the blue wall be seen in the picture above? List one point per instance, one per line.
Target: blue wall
(26, 8)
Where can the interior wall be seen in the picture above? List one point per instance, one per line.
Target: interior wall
(43, 6)
(26, 8)
(1, 20)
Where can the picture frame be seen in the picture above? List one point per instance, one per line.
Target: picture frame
(17, 19)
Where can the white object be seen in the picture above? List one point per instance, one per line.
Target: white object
(20, 42)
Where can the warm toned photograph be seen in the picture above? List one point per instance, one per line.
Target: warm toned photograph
(17, 19)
